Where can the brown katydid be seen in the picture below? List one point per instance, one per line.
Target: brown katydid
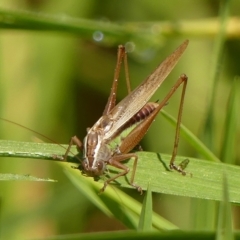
(122, 126)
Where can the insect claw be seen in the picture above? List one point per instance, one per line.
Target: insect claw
(180, 168)
(139, 189)
(103, 188)
(183, 172)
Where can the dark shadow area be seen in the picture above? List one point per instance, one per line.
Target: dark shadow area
(163, 163)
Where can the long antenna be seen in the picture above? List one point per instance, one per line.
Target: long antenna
(31, 130)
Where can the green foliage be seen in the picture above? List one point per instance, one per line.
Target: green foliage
(145, 220)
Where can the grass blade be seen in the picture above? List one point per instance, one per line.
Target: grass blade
(228, 146)
(20, 177)
(214, 76)
(224, 229)
(205, 182)
(115, 202)
(145, 221)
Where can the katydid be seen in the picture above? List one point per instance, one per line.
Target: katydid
(110, 140)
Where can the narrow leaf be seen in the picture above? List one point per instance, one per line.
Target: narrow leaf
(202, 181)
(145, 221)
(224, 229)
(119, 204)
(20, 177)
(230, 129)
(133, 235)
(217, 57)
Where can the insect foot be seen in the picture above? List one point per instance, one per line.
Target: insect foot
(103, 188)
(139, 189)
(181, 167)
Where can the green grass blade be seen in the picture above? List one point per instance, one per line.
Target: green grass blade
(27, 20)
(114, 202)
(20, 177)
(123, 235)
(145, 221)
(41, 21)
(91, 194)
(44, 151)
(215, 73)
(224, 229)
(112, 32)
(205, 182)
(230, 129)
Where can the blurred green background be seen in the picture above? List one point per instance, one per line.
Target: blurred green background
(57, 83)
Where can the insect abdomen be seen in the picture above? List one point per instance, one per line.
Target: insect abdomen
(142, 113)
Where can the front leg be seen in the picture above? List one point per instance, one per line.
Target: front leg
(74, 141)
(116, 162)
